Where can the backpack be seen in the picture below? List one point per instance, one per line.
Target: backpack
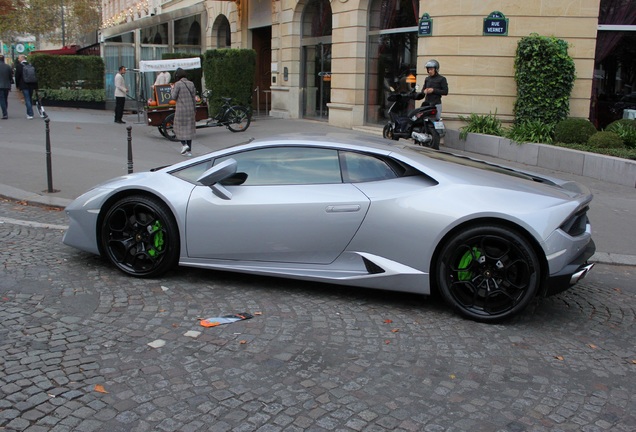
(28, 74)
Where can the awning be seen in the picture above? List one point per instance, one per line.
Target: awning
(67, 50)
(169, 65)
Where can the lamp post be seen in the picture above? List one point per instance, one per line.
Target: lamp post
(63, 30)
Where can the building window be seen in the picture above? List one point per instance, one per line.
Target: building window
(613, 88)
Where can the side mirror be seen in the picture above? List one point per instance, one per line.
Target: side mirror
(215, 175)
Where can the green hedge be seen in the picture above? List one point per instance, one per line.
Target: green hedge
(70, 78)
(80, 95)
(545, 74)
(230, 73)
(574, 131)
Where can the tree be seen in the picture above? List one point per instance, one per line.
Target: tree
(52, 20)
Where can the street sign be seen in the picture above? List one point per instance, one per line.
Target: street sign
(496, 24)
(425, 27)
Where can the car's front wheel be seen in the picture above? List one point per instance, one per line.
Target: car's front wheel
(488, 273)
(140, 237)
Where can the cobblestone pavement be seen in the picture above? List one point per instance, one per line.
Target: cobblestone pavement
(75, 353)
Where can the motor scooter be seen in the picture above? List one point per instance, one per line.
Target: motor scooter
(419, 124)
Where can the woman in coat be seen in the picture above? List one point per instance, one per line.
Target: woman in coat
(184, 93)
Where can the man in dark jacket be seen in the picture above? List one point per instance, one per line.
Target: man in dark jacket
(6, 76)
(26, 87)
(435, 86)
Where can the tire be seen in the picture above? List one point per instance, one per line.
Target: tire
(167, 127)
(488, 273)
(387, 131)
(238, 119)
(140, 237)
(434, 142)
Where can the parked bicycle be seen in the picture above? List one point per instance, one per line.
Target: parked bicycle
(236, 118)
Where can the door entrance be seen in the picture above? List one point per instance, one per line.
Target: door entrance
(316, 85)
(262, 44)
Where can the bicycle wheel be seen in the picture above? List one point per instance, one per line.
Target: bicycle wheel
(238, 119)
(166, 128)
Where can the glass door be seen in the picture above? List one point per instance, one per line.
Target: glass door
(316, 86)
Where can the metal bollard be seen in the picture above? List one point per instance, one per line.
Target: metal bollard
(49, 171)
(130, 155)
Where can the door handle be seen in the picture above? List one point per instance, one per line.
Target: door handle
(345, 208)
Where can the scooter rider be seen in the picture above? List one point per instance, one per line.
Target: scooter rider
(435, 86)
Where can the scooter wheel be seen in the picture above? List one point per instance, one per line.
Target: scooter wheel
(387, 132)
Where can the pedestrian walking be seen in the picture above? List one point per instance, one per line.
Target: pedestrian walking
(120, 94)
(26, 80)
(435, 86)
(184, 93)
(6, 76)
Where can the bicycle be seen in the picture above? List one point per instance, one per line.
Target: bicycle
(236, 118)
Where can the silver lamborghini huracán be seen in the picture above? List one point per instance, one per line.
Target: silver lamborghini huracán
(354, 212)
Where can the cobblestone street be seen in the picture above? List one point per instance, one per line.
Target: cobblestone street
(78, 351)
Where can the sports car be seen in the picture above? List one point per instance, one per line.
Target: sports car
(351, 211)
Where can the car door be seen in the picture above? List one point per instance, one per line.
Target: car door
(293, 208)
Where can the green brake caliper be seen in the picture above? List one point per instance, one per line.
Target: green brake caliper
(465, 262)
(157, 238)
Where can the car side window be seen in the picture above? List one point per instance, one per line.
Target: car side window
(358, 167)
(287, 166)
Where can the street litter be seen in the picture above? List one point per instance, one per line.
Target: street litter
(225, 319)
(157, 343)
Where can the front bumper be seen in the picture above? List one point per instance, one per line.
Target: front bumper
(576, 270)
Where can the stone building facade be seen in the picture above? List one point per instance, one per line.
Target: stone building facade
(334, 60)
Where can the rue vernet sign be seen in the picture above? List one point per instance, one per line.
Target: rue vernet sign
(496, 24)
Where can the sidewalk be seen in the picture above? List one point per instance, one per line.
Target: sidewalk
(87, 148)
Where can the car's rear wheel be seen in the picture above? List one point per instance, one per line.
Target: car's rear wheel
(140, 237)
(488, 273)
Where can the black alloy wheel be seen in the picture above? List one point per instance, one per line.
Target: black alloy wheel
(140, 237)
(488, 273)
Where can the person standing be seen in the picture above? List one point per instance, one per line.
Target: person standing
(6, 76)
(162, 78)
(120, 94)
(435, 86)
(184, 93)
(26, 80)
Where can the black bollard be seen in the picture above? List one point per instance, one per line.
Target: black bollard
(130, 156)
(49, 173)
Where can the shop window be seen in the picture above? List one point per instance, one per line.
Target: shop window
(392, 55)
(155, 35)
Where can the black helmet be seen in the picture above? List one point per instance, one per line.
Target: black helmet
(433, 64)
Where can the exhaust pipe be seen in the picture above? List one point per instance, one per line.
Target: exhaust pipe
(421, 137)
(581, 273)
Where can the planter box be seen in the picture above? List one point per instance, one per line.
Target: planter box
(74, 104)
(607, 168)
